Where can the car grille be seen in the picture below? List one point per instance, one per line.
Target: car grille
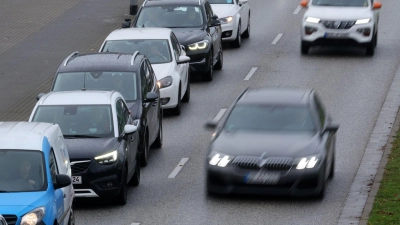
(338, 24)
(271, 163)
(10, 219)
(275, 163)
(80, 166)
(247, 162)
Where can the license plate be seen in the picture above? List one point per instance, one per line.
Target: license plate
(262, 177)
(336, 35)
(76, 180)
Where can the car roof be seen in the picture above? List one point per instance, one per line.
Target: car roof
(278, 96)
(102, 61)
(24, 135)
(140, 33)
(172, 2)
(86, 97)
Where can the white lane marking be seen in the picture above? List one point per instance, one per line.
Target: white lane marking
(219, 115)
(277, 38)
(297, 10)
(252, 71)
(178, 168)
(135, 223)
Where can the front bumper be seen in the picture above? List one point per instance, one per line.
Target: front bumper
(169, 95)
(199, 60)
(293, 182)
(229, 31)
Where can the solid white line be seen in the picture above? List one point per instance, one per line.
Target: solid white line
(135, 223)
(219, 115)
(178, 168)
(252, 71)
(297, 9)
(277, 38)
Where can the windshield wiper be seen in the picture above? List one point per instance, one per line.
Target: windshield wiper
(79, 136)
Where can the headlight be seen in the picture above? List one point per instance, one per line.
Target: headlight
(226, 19)
(220, 160)
(307, 162)
(198, 45)
(312, 20)
(165, 82)
(107, 158)
(33, 217)
(363, 21)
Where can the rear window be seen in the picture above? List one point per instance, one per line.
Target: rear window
(348, 3)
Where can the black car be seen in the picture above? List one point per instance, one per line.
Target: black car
(129, 74)
(272, 141)
(194, 24)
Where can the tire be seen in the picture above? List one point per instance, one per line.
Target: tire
(208, 76)
(122, 197)
(246, 33)
(304, 48)
(332, 169)
(145, 152)
(135, 180)
(220, 63)
(159, 140)
(371, 46)
(186, 97)
(177, 110)
(71, 220)
(238, 41)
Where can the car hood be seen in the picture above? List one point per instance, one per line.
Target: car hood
(20, 203)
(241, 143)
(162, 69)
(84, 148)
(224, 10)
(338, 13)
(188, 36)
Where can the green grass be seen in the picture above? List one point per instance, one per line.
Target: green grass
(386, 208)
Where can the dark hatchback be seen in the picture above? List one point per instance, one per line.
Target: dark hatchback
(194, 24)
(129, 74)
(276, 141)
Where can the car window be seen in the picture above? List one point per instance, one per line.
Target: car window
(209, 12)
(348, 3)
(171, 16)
(149, 76)
(157, 51)
(143, 80)
(121, 116)
(123, 82)
(175, 46)
(78, 120)
(321, 110)
(22, 171)
(220, 1)
(53, 166)
(270, 118)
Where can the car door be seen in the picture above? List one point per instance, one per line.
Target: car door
(154, 109)
(125, 144)
(58, 193)
(214, 31)
(147, 106)
(181, 68)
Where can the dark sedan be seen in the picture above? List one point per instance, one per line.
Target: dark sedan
(272, 141)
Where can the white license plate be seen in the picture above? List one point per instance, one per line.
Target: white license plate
(336, 35)
(76, 180)
(262, 177)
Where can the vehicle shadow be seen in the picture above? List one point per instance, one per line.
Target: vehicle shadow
(337, 51)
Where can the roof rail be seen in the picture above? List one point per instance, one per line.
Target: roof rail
(134, 56)
(70, 57)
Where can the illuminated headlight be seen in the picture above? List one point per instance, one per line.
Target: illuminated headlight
(226, 19)
(363, 21)
(198, 45)
(165, 82)
(33, 217)
(312, 20)
(107, 158)
(307, 162)
(220, 160)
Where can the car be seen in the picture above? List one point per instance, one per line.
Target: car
(272, 141)
(331, 22)
(101, 138)
(130, 74)
(167, 58)
(235, 19)
(35, 175)
(194, 24)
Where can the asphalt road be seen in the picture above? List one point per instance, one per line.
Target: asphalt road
(352, 86)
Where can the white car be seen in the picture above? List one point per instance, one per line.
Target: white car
(340, 22)
(234, 16)
(166, 55)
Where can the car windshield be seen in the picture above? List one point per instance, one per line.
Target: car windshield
(348, 3)
(270, 118)
(123, 82)
(220, 1)
(22, 171)
(86, 121)
(157, 51)
(170, 16)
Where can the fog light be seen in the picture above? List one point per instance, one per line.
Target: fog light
(310, 30)
(110, 184)
(227, 34)
(164, 101)
(364, 31)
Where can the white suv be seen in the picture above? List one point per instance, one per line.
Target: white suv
(340, 22)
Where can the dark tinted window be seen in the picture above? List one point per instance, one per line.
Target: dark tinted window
(349, 3)
(121, 116)
(143, 80)
(321, 110)
(270, 118)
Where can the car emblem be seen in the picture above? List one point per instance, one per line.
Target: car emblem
(336, 24)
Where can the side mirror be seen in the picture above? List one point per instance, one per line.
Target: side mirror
(150, 97)
(377, 5)
(241, 2)
(129, 129)
(215, 22)
(211, 125)
(126, 24)
(133, 8)
(304, 3)
(183, 59)
(39, 96)
(61, 181)
(331, 128)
